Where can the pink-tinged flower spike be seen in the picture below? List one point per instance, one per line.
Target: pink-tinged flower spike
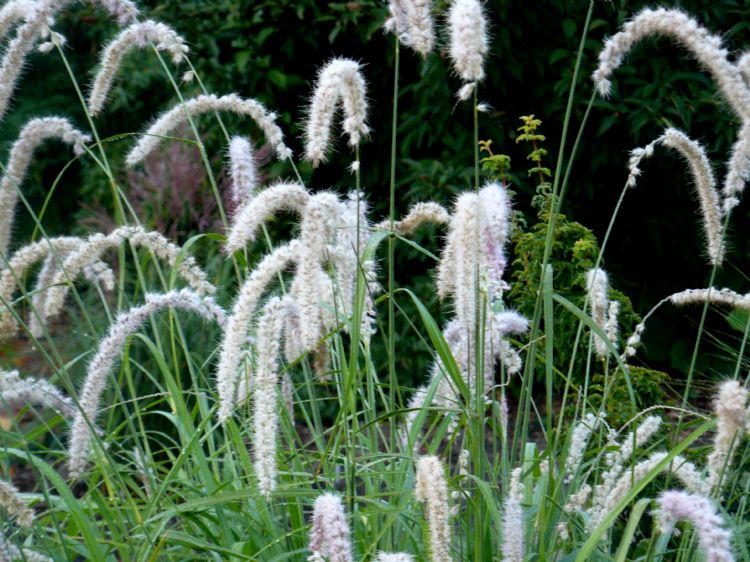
(199, 105)
(431, 489)
(475, 242)
(108, 353)
(684, 470)
(686, 31)
(411, 21)
(330, 537)
(34, 133)
(140, 35)
(265, 397)
(238, 324)
(393, 557)
(513, 545)
(419, 214)
(714, 539)
(92, 250)
(14, 505)
(279, 197)
(15, 391)
(730, 405)
(338, 81)
(242, 172)
(23, 259)
(468, 43)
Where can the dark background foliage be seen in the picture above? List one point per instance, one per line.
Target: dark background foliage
(271, 50)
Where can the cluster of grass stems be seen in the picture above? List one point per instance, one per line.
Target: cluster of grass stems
(166, 480)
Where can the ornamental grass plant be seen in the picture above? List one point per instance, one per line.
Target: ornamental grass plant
(222, 397)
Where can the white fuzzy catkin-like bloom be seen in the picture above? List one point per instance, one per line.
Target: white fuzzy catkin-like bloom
(714, 539)
(206, 103)
(730, 406)
(96, 245)
(242, 172)
(411, 21)
(36, 26)
(140, 35)
(705, 185)
(684, 470)
(278, 197)
(393, 557)
(446, 396)
(725, 297)
(16, 391)
(34, 133)
(265, 398)
(468, 42)
(330, 537)
(339, 81)
(512, 547)
(419, 214)
(686, 31)
(475, 244)
(612, 327)
(578, 442)
(108, 353)
(597, 284)
(311, 284)
(738, 169)
(235, 336)
(616, 459)
(50, 250)
(431, 489)
(14, 12)
(14, 505)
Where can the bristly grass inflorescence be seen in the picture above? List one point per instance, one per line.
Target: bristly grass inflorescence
(270, 430)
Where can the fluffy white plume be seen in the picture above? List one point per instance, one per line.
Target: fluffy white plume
(238, 324)
(51, 251)
(242, 172)
(96, 245)
(713, 538)
(686, 31)
(199, 105)
(34, 133)
(730, 406)
(330, 537)
(278, 197)
(339, 81)
(16, 391)
(265, 398)
(431, 489)
(108, 353)
(468, 42)
(140, 35)
(36, 25)
(411, 21)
